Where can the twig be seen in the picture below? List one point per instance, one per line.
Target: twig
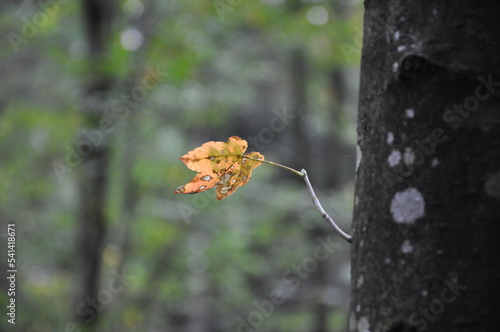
(325, 215)
(315, 199)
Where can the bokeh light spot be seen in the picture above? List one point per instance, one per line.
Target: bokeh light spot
(131, 39)
(317, 15)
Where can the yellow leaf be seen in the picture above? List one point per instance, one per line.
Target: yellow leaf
(221, 164)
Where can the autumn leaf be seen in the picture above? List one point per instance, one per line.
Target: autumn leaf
(224, 164)
(221, 164)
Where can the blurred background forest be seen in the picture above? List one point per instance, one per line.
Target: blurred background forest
(144, 82)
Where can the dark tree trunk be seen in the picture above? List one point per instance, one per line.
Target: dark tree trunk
(426, 229)
(93, 147)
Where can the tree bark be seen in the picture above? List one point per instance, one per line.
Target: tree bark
(426, 229)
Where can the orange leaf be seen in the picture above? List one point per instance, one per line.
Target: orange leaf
(221, 164)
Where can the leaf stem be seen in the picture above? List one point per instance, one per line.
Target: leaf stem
(303, 174)
(276, 164)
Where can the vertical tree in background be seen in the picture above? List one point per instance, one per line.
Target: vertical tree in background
(426, 228)
(93, 172)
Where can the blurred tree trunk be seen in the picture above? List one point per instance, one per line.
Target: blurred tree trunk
(128, 138)
(301, 146)
(93, 146)
(426, 230)
(299, 143)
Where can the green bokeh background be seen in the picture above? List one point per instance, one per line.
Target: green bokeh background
(190, 263)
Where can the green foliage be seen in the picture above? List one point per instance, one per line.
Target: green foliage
(224, 76)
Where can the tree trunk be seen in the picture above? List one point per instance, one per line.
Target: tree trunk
(300, 144)
(93, 147)
(426, 229)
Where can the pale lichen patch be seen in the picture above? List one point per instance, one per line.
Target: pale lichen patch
(407, 206)
(409, 156)
(394, 158)
(406, 247)
(410, 113)
(390, 138)
(363, 325)
(395, 67)
(360, 281)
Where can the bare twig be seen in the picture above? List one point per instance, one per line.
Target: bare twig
(315, 199)
(325, 215)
